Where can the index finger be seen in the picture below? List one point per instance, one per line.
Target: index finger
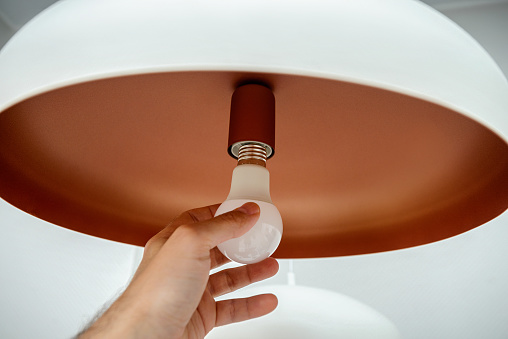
(193, 216)
(196, 215)
(187, 218)
(206, 235)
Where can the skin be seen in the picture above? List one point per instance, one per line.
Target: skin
(172, 293)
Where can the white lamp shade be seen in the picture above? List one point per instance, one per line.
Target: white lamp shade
(390, 119)
(305, 312)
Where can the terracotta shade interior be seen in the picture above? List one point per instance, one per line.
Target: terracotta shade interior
(357, 169)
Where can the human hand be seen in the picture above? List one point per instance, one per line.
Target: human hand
(172, 293)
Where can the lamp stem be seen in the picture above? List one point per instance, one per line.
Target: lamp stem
(291, 274)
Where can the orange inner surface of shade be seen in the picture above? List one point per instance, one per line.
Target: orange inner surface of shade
(357, 169)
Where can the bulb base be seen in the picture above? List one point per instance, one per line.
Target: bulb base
(252, 153)
(250, 181)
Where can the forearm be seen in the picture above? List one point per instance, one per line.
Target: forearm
(120, 320)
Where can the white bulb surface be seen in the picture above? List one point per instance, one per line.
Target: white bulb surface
(260, 241)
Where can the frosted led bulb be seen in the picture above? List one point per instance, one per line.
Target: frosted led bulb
(251, 183)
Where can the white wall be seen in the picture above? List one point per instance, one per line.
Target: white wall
(19, 12)
(487, 23)
(5, 30)
(53, 280)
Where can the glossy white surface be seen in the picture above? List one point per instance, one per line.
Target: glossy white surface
(305, 312)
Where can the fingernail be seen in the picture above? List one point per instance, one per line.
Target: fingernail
(249, 208)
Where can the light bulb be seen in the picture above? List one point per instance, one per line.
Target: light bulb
(251, 183)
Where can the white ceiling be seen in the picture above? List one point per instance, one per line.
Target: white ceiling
(53, 280)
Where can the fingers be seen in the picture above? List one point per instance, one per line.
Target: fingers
(217, 259)
(212, 230)
(235, 310)
(197, 214)
(187, 218)
(199, 230)
(153, 245)
(208, 234)
(230, 280)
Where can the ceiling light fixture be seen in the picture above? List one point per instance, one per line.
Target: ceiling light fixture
(391, 120)
(306, 312)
